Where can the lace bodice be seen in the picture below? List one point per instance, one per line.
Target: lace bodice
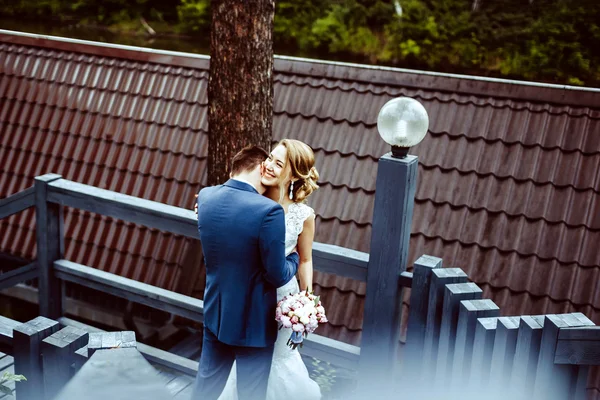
(294, 223)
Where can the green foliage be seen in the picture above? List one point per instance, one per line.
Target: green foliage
(544, 40)
(8, 377)
(194, 15)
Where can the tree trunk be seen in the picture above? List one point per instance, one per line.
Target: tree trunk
(240, 87)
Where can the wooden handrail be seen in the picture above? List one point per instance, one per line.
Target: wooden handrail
(22, 274)
(161, 299)
(128, 208)
(17, 202)
(326, 258)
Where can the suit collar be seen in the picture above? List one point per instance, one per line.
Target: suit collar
(234, 183)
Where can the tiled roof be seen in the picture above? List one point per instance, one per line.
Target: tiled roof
(508, 187)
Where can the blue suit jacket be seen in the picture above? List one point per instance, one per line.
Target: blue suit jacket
(242, 235)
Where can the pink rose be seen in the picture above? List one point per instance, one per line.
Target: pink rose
(323, 320)
(294, 319)
(286, 322)
(298, 328)
(278, 313)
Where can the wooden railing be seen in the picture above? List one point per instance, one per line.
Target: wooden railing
(51, 192)
(457, 343)
(459, 347)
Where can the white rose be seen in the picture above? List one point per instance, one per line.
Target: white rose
(321, 310)
(305, 300)
(305, 320)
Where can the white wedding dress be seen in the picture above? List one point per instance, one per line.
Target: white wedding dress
(289, 377)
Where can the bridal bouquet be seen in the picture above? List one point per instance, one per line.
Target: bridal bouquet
(302, 312)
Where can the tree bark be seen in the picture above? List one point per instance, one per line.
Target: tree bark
(240, 87)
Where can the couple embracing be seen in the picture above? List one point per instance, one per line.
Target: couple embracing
(256, 235)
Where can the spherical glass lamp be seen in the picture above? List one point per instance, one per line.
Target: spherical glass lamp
(402, 123)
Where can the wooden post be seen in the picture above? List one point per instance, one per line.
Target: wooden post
(526, 355)
(439, 279)
(554, 381)
(503, 356)
(418, 315)
(27, 339)
(58, 357)
(581, 347)
(392, 218)
(453, 295)
(483, 347)
(470, 310)
(50, 247)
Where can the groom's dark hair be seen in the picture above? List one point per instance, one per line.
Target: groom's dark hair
(247, 159)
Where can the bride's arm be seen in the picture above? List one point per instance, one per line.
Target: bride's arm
(305, 243)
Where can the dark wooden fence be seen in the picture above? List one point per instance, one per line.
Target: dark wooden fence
(457, 344)
(459, 347)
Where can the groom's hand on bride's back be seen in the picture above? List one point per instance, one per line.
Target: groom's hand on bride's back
(196, 204)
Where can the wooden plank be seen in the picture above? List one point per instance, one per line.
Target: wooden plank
(185, 393)
(417, 317)
(453, 295)
(340, 261)
(110, 340)
(17, 202)
(483, 347)
(6, 330)
(19, 275)
(581, 333)
(440, 278)
(58, 355)
(27, 339)
(151, 354)
(470, 311)
(392, 217)
(524, 369)
(116, 374)
(505, 345)
(178, 384)
(128, 208)
(130, 289)
(578, 352)
(50, 246)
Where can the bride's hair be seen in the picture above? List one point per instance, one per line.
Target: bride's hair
(301, 159)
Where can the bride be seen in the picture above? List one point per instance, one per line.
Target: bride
(290, 177)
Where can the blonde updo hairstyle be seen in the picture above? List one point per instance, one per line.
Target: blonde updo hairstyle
(301, 160)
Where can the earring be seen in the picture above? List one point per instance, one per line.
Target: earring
(292, 190)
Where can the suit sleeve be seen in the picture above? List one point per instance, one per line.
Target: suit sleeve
(279, 270)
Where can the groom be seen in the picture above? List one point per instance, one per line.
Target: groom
(242, 235)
